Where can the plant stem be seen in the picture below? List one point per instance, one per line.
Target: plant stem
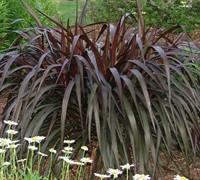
(14, 161)
(65, 171)
(27, 156)
(51, 159)
(79, 173)
(1, 162)
(39, 162)
(126, 174)
(68, 174)
(80, 169)
(62, 173)
(39, 159)
(84, 170)
(31, 161)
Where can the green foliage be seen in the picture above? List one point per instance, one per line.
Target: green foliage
(15, 17)
(128, 89)
(67, 10)
(4, 24)
(170, 14)
(110, 10)
(18, 11)
(33, 176)
(158, 13)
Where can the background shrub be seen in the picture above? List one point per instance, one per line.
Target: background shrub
(4, 24)
(15, 17)
(159, 13)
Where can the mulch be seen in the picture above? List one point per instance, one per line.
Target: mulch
(196, 37)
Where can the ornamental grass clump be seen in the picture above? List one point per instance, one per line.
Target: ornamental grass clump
(127, 89)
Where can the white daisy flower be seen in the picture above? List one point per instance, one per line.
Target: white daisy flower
(5, 141)
(68, 149)
(183, 2)
(29, 140)
(11, 132)
(177, 177)
(84, 148)
(35, 139)
(114, 172)
(102, 176)
(38, 139)
(21, 160)
(185, 5)
(127, 166)
(12, 146)
(32, 148)
(2, 151)
(6, 164)
(14, 142)
(65, 158)
(11, 123)
(51, 150)
(77, 163)
(141, 177)
(42, 154)
(67, 152)
(69, 141)
(70, 162)
(86, 160)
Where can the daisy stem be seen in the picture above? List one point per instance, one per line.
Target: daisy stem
(27, 156)
(40, 159)
(1, 173)
(31, 160)
(126, 174)
(80, 169)
(62, 173)
(84, 171)
(14, 165)
(1, 162)
(79, 173)
(65, 171)
(4, 154)
(68, 172)
(23, 167)
(6, 172)
(51, 159)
